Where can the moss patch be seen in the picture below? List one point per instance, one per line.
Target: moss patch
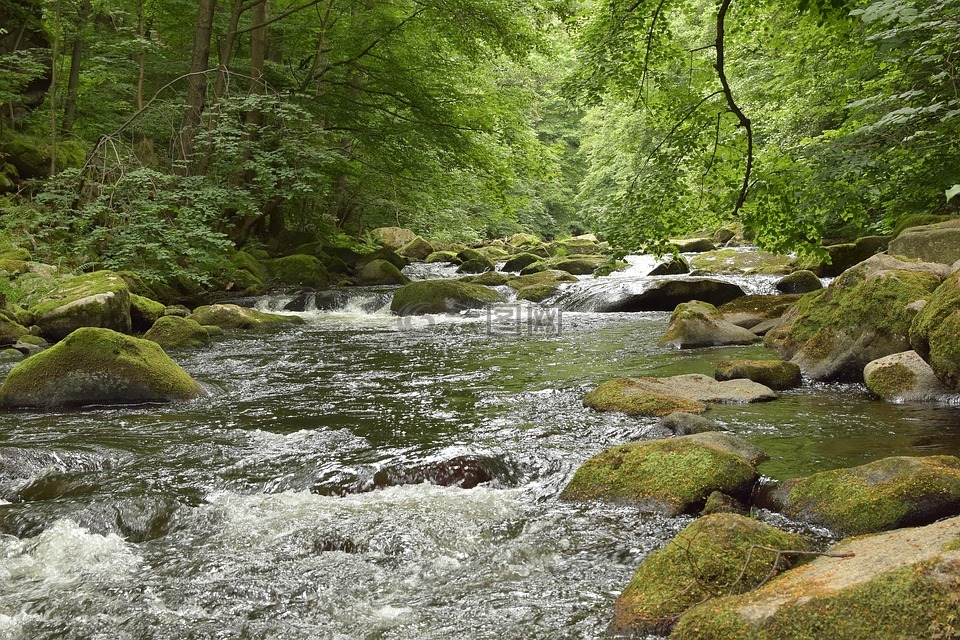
(441, 296)
(231, 316)
(380, 272)
(714, 556)
(97, 366)
(99, 299)
(174, 332)
(144, 312)
(935, 332)
(300, 271)
(623, 394)
(892, 381)
(776, 374)
(763, 306)
(537, 292)
(548, 276)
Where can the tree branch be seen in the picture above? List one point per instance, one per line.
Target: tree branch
(732, 104)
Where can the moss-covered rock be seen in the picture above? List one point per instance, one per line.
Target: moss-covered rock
(144, 312)
(493, 253)
(380, 272)
(903, 377)
(694, 245)
(670, 476)
(718, 502)
(802, 281)
(534, 267)
(31, 155)
(519, 261)
(174, 332)
(490, 279)
(538, 292)
(716, 555)
(885, 494)
(248, 262)
(97, 366)
(680, 423)
(476, 265)
(417, 250)
(548, 276)
(847, 255)
(675, 265)
(938, 242)
(300, 271)
(578, 246)
(739, 261)
(776, 374)
(899, 585)
(748, 311)
(11, 331)
(864, 314)
(231, 316)
(393, 238)
(99, 299)
(442, 256)
(698, 324)
(521, 240)
(665, 295)
(935, 332)
(917, 220)
(441, 296)
(661, 396)
(580, 265)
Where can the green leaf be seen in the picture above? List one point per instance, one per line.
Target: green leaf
(952, 191)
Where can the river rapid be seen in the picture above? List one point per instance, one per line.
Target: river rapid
(306, 498)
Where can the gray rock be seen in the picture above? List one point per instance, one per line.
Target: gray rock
(930, 243)
(904, 377)
(698, 324)
(803, 281)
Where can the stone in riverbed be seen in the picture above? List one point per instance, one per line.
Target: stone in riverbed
(98, 299)
(672, 266)
(930, 243)
(231, 316)
(441, 296)
(97, 366)
(538, 292)
(885, 494)
(680, 423)
(174, 332)
(897, 585)
(776, 374)
(393, 238)
(903, 377)
(661, 396)
(670, 476)
(380, 272)
(715, 555)
(666, 295)
(699, 324)
(518, 262)
(803, 281)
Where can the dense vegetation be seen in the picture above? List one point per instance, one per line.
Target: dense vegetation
(158, 134)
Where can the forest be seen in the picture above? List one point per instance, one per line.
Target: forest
(159, 135)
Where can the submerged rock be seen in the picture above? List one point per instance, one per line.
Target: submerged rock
(97, 366)
(666, 295)
(716, 555)
(231, 316)
(885, 494)
(680, 423)
(670, 476)
(441, 296)
(662, 396)
(98, 299)
(699, 324)
(902, 584)
(903, 377)
(174, 332)
(776, 374)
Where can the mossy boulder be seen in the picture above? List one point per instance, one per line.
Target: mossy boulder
(935, 332)
(698, 324)
(578, 246)
(665, 295)
(417, 250)
(490, 279)
(661, 396)
(534, 267)
(740, 261)
(903, 377)
(680, 423)
(97, 366)
(11, 331)
(716, 555)
(548, 276)
(31, 155)
(393, 238)
(931, 243)
(493, 253)
(476, 265)
(885, 494)
(694, 245)
(538, 292)
(383, 254)
(380, 272)
(849, 254)
(441, 296)
(300, 271)
(519, 261)
(442, 256)
(776, 374)
(174, 332)
(899, 585)
(675, 265)
(248, 262)
(580, 265)
(99, 299)
(231, 316)
(864, 314)
(749, 311)
(670, 476)
(802, 281)
(144, 312)
(521, 240)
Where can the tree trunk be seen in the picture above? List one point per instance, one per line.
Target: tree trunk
(53, 93)
(73, 84)
(197, 83)
(226, 48)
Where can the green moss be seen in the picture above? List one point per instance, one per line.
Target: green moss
(935, 332)
(246, 261)
(231, 316)
(667, 476)
(174, 332)
(549, 276)
(300, 271)
(519, 261)
(18, 253)
(99, 299)
(95, 366)
(734, 261)
(578, 266)
(381, 272)
(764, 306)
(885, 494)
(919, 601)
(476, 265)
(917, 220)
(11, 331)
(537, 292)
(892, 381)
(776, 374)
(714, 556)
(441, 256)
(491, 279)
(625, 396)
(441, 296)
(144, 312)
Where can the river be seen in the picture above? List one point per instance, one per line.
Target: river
(304, 497)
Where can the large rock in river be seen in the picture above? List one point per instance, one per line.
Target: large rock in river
(716, 555)
(776, 374)
(935, 332)
(174, 332)
(904, 377)
(666, 295)
(863, 315)
(885, 494)
(231, 316)
(441, 296)
(381, 272)
(393, 238)
(98, 299)
(699, 324)
(97, 366)
(930, 243)
(662, 396)
(899, 585)
(670, 476)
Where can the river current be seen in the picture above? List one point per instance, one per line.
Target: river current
(366, 477)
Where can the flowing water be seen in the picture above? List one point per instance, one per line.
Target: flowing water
(365, 477)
